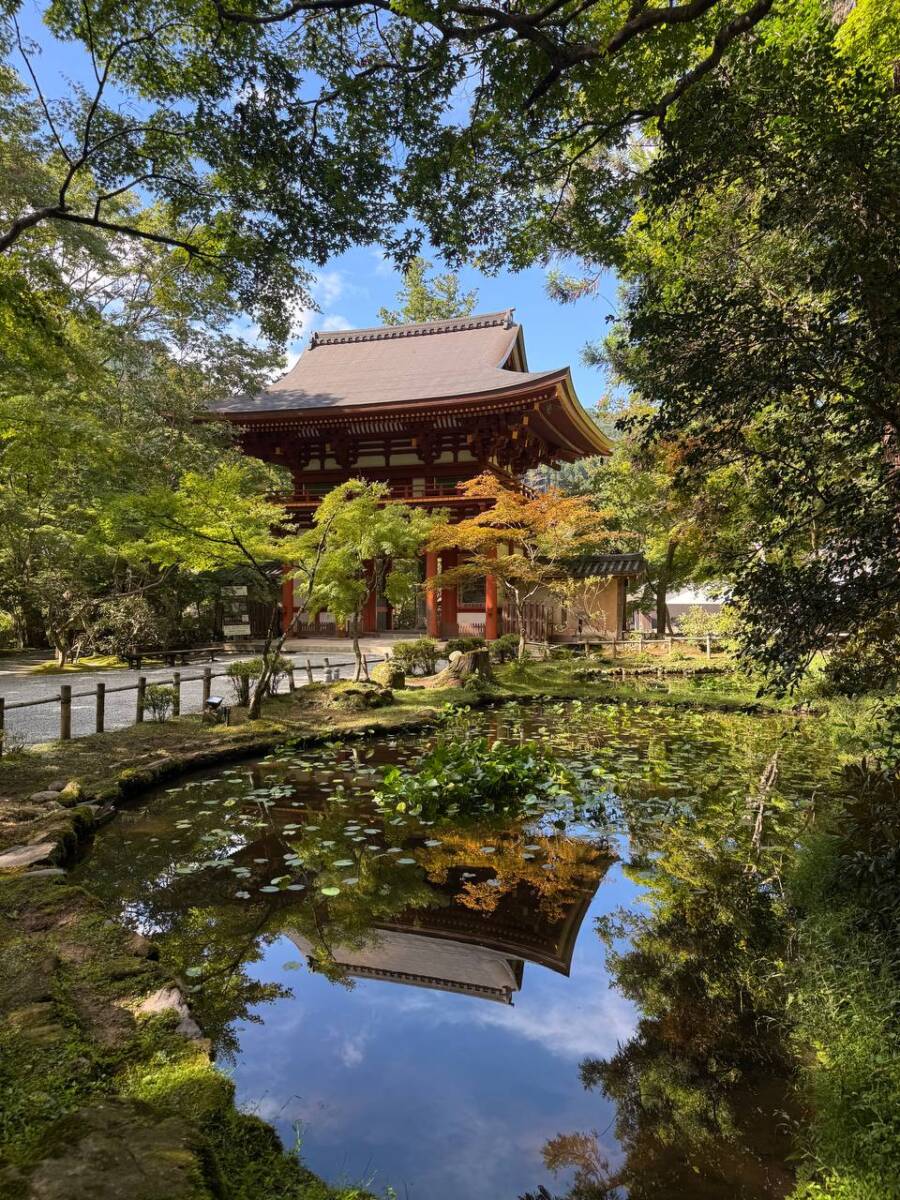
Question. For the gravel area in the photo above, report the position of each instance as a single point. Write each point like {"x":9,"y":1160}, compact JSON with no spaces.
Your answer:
{"x":40,"y":723}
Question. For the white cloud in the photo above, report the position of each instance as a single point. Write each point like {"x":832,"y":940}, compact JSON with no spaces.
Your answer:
{"x":335,"y":321}
{"x":383,"y":265}
{"x":328,"y":286}
{"x":591,"y":1022}
{"x":352,"y":1050}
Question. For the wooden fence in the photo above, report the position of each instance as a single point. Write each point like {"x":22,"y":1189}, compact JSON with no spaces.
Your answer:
{"x":65,"y":695}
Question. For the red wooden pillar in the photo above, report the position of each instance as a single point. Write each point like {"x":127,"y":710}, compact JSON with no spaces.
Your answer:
{"x":287,"y":599}
{"x":449,"y":615}
{"x":432,"y":623}
{"x":491,"y":610}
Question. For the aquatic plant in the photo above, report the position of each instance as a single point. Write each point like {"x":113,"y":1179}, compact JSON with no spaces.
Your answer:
{"x":474,"y":776}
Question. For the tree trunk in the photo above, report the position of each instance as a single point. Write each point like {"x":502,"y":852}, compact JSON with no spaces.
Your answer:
{"x":662,"y":587}
{"x":472,"y":662}
{"x":357,"y":653}
{"x":268,"y":658}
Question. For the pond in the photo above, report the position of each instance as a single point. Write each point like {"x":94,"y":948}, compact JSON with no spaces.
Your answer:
{"x":584,"y":992}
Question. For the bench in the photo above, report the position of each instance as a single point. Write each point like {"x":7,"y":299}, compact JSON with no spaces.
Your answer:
{"x":172,"y":657}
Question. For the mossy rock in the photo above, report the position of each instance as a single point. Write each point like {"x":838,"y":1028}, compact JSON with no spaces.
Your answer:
{"x":388,"y":674}
{"x":357,"y":697}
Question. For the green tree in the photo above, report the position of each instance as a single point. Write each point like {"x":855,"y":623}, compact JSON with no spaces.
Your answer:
{"x":676,"y":523}
{"x":759,"y":314}
{"x":373,"y":546}
{"x":422,"y":299}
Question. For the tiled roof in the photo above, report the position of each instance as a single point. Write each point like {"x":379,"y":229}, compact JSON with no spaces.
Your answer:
{"x":397,"y":364}
{"x":593,"y":565}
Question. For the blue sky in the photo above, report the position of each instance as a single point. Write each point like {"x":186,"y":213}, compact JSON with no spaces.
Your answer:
{"x":350,"y":289}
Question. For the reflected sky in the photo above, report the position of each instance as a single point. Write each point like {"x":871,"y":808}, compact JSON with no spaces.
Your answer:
{"x":437,"y":1094}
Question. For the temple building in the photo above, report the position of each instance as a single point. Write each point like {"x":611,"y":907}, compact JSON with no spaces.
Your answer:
{"x":421,"y":408}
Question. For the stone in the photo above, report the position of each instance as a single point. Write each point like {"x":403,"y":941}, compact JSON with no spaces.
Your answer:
{"x":51,"y":794}
{"x":36,"y":1023}
{"x":170,"y":999}
{"x":388,"y":674}
{"x":25,"y":856}
{"x":110,"y":1150}
{"x":57,"y":785}
{"x":142,"y":947}
{"x":71,"y":793}
{"x":46,"y":872}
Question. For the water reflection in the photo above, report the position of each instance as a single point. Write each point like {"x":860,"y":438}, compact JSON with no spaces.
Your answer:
{"x":482,"y":1040}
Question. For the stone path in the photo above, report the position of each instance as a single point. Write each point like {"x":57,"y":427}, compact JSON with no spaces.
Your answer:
{"x":41,"y":722}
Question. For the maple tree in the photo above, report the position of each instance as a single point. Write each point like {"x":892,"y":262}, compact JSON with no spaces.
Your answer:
{"x":524,"y":540}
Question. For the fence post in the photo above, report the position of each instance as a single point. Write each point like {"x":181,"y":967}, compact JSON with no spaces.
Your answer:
{"x":708,"y":646}
{"x":2,"y":721}
{"x":207,"y":686}
{"x":614,"y":648}
{"x":65,"y":711}
{"x":669,"y":643}
{"x":640,"y":643}
{"x":100,"y":707}
{"x":141,"y":690}
{"x":309,"y":675}
{"x":365,"y":666}
{"x":176,"y":699}
{"x":292,"y":685}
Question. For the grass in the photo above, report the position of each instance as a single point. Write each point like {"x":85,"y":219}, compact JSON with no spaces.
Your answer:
{"x":846,"y":1001}
{"x":93,"y":662}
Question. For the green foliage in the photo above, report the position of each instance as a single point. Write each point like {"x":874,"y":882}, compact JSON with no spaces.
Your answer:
{"x":159,"y":700}
{"x":244,"y":674}
{"x":417,"y":658}
{"x":471,"y":777}
{"x":866,"y":661}
{"x":504,"y":648}
{"x":422,"y":299}
{"x":463,"y":644}
{"x":760,"y":291}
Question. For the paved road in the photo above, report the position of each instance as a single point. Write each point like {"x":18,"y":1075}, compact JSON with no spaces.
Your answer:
{"x":40,"y":723}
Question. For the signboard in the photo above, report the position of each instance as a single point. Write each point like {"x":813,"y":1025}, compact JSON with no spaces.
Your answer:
{"x":235,"y":611}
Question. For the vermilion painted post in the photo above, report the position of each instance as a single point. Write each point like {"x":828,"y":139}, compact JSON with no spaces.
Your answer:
{"x":432,"y":623}
{"x":449,"y":613}
{"x":491,"y":609}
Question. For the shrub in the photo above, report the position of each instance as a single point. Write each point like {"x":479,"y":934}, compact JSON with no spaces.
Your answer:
{"x":159,"y":700}
{"x":472,"y":775}
{"x":7,"y":630}
{"x":867,"y":661}
{"x":417,"y":658}
{"x":243,"y":676}
{"x":464,"y":644}
{"x":505,"y":648}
